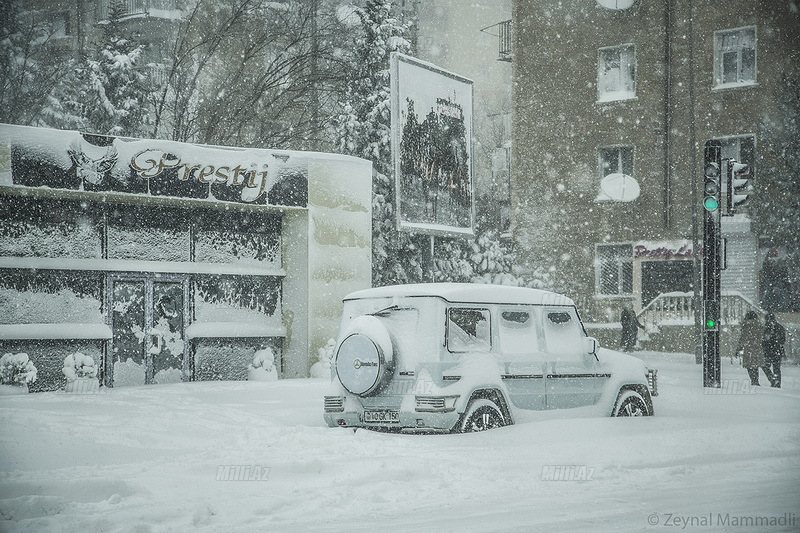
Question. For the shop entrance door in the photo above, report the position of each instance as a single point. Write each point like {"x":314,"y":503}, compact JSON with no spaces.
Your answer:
{"x":148,"y":320}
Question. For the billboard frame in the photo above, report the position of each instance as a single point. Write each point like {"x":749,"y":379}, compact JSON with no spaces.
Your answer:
{"x":444,"y":96}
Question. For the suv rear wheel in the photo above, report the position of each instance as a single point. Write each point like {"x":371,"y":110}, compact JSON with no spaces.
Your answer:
{"x":482,"y":415}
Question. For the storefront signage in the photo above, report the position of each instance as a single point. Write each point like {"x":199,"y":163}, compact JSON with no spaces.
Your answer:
{"x":666,"y":251}
{"x":150,"y":163}
{"x":70,"y":160}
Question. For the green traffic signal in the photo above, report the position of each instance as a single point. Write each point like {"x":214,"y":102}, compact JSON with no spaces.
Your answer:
{"x":710,"y":323}
{"x":711,"y":203}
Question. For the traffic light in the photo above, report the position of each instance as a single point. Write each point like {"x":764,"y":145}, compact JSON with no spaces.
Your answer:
{"x":711,"y":315}
{"x":737,"y":185}
{"x":711,"y":190}
{"x":712,"y":173}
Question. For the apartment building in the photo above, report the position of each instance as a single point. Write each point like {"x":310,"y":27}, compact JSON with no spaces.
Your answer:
{"x":613,"y":103}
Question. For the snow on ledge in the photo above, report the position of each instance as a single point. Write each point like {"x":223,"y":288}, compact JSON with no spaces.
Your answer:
{"x":198,"y":330}
{"x":66,"y":331}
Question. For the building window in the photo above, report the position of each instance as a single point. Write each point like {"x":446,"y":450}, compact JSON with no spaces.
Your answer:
{"x":614,"y":269}
{"x":615,"y":159}
{"x":616,"y":73}
{"x":735,"y":57}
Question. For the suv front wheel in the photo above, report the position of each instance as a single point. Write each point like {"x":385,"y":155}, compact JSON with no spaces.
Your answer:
{"x":631,"y":403}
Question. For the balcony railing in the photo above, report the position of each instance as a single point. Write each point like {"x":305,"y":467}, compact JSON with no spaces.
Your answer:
{"x":504,"y":34}
{"x":677,"y":308}
{"x":505,"y":41}
{"x":136,"y":7}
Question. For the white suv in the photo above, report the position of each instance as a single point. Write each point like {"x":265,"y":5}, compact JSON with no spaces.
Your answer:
{"x":449,"y":357}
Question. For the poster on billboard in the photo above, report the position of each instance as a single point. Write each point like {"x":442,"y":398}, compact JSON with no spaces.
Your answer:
{"x":431,"y":148}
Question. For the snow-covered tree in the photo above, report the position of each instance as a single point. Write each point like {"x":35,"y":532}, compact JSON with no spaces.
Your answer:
{"x":276,"y":93}
{"x":29,"y":65}
{"x":104,"y":91}
{"x":364,"y":130}
{"x":116,"y":81}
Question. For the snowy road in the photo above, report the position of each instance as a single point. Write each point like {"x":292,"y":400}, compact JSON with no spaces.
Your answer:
{"x":149,"y":459}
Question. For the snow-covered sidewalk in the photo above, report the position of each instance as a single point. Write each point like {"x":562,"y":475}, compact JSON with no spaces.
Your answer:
{"x":256,"y":456}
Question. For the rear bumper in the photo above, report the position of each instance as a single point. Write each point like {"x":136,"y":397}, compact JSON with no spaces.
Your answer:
{"x":409,"y":422}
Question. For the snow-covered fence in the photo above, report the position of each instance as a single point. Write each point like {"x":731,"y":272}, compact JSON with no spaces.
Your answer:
{"x":677,"y":308}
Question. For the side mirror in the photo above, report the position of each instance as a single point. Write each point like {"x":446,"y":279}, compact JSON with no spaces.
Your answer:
{"x":590,"y":345}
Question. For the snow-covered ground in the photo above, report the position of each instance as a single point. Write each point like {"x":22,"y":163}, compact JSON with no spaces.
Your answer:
{"x":151,"y":459}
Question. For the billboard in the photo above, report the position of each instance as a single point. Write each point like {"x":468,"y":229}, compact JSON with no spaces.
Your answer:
{"x":431,"y":148}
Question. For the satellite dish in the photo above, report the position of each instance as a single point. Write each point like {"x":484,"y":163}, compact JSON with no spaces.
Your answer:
{"x":616,"y":5}
{"x":619,"y":187}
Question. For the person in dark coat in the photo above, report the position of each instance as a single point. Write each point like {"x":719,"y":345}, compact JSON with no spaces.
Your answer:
{"x":750,"y":347}
{"x":774,"y":339}
{"x":630,"y":329}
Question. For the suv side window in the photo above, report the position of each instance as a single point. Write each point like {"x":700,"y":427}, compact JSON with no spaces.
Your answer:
{"x":563,"y":333}
{"x":468,"y":329}
{"x":519,"y":338}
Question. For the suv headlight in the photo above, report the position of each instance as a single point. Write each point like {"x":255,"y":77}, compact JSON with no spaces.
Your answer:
{"x":436,"y":404}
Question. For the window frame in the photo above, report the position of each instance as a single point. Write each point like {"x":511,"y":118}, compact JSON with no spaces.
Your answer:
{"x":485,"y":311}
{"x":627,"y":63}
{"x":719,"y":59}
{"x":622,"y":265}
{"x":620,"y":159}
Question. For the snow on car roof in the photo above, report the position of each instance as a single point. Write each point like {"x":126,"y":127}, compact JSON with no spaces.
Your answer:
{"x":466,"y":292}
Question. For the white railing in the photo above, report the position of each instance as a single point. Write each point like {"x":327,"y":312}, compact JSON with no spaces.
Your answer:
{"x":678,"y":308}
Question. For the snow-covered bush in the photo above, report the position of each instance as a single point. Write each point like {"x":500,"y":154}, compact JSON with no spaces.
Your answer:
{"x":16,"y":369}
{"x":78,"y":365}
{"x":322,"y":368}
{"x":262,"y":368}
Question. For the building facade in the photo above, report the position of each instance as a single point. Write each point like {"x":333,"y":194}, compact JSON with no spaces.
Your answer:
{"x":168,"y":261}
{"x":613,"y":103}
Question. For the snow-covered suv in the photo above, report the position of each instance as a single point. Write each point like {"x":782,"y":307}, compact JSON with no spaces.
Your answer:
{"x":468,"y":357}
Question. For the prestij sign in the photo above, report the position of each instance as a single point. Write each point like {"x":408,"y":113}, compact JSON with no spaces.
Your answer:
{"x":150,"y":163}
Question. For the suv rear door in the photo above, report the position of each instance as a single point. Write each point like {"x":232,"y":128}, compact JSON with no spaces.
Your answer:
{"x":521,"y":355}
{"x":573,"y":376}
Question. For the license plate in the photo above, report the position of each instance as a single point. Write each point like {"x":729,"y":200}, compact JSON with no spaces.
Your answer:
{"x":382,"y":416}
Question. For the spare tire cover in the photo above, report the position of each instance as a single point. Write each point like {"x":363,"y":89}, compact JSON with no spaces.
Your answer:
{"x":364,"y":359}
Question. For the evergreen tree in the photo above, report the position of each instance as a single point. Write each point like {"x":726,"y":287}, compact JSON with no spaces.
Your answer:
{"x":103,"y":92}
{"x":364,"y":130}
{"x":29,"y":66}
{"x":118,"y":87}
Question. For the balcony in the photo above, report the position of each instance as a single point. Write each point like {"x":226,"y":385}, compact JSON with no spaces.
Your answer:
{"x":505,"y":41}
{"x":504,"y":36}
{"x":139,"y":8}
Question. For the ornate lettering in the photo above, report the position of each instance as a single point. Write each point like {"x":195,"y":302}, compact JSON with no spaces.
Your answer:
{"x":150,"y":163}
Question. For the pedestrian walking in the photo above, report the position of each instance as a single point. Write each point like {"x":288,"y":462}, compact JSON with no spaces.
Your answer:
{"x":630,"y":329}
{"x":773,"y":344}
{"x":750,"y":345}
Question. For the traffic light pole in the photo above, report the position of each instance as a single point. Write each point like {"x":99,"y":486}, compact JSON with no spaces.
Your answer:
{"x":711,"y":265}
{"x":711,"y":299}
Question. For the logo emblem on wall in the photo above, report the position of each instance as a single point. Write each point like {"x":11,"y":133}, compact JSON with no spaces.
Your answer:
{"x":92,"y":170}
